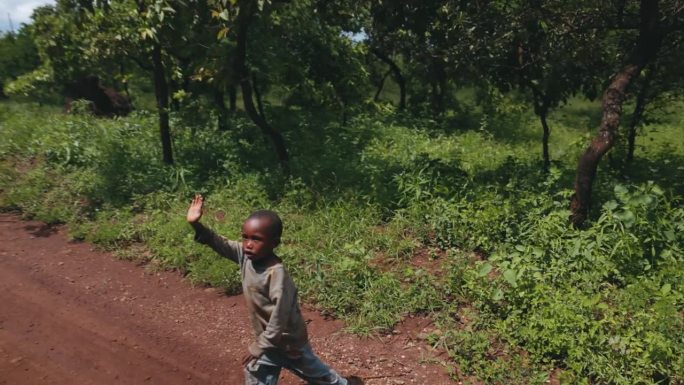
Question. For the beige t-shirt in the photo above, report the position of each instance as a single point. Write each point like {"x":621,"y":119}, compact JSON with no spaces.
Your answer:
{"x":271,"y":298}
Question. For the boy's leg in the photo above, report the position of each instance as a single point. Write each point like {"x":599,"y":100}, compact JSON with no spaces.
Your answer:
{"x":258,"y":372}
{"x":310,"y":368}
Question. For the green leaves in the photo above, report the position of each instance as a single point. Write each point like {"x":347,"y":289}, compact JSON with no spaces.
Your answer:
{"x":18,"y":55}
{"x":37,"y":84}
{"x":665,"y":289}
{"x":220,"y":14}
{"x":626,"y":216}
{"x":511,"y":277}
{"x":485,"y":268}
{"x":148,"y":33}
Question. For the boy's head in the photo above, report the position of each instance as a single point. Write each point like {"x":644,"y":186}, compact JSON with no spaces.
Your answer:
{"x":261,"y":234}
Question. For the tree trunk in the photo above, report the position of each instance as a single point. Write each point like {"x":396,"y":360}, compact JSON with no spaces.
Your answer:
{"x":433,"y":95}
{"x":161,"y":92}
{"x":439,"y":86}
{"x":636,"y":117}
{"x":541,"y":109}
{"x":257,"y":95}
{"x":124,"y":81}
{"x":242,"y":77}
{"x":232,"y":98}
{"x":221,"y":108}
{"x":343,"y":108}
{"x":545,"y":140}
{"x":381,"y":86}
{"x":645,"y":50}
{"x":396,"y":73}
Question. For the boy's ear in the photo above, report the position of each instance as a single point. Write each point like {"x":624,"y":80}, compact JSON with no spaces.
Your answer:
{"x":276,"y":242}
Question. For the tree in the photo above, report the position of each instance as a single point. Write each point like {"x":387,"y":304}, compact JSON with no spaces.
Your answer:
{"x":315,"y":60}
{"x":18,"y":56}
{"x":243,"y":20}
{"x":551,"y":55}
{"x":298,"y":45}
{"x":406,"y":29}
{"x":81,"y":38}
{"x":657,"y":86}
{"x":648,"y":42}
{"x":396,"y":74}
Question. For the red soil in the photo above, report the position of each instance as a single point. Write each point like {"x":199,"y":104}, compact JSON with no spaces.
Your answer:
{"x":72,"y":315}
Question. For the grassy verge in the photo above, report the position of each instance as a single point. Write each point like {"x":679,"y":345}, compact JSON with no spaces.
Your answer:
{"x":387,"y":216}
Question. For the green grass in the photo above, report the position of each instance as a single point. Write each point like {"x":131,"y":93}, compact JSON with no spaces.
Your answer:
{"x":514,"y":290}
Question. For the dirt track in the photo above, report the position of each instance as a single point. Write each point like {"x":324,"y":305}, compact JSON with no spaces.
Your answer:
{"x":71,"y":315}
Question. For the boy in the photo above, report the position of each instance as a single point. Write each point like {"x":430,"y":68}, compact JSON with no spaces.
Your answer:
{"x":271,"y":299}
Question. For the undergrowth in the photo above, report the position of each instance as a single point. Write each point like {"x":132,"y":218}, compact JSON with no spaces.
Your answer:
{"x":516,"y":293}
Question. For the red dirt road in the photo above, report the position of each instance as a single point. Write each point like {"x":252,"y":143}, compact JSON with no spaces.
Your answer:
{"x":71,"y":315}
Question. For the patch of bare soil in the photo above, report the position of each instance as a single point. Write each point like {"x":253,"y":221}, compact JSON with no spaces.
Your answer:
{"x":72,"y":315}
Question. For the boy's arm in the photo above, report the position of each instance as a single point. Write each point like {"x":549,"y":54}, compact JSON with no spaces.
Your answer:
{"x":224,"y":247}
{"x":282,"y":294}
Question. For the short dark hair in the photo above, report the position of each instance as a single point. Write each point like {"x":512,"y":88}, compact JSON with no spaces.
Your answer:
{"x":275,"y":227}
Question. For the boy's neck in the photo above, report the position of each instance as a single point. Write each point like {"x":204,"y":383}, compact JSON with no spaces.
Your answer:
{"x":267,"y":261}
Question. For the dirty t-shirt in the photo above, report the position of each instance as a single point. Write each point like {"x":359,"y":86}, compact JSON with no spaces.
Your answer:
{"x":271,"y":298}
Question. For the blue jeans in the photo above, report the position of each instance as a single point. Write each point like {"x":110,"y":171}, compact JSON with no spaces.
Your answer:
{"x":266,"y":369}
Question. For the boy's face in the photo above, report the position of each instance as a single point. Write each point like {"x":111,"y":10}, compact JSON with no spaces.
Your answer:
{"x":257,"y":241}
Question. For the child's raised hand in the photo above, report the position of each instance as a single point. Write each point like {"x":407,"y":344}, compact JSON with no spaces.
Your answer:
{"x":195,"y":209}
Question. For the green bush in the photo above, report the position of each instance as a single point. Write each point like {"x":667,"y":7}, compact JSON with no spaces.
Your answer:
{"x":514,"y":290}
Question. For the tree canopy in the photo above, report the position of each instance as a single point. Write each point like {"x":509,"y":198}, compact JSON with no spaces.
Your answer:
{"x":330,"y":56}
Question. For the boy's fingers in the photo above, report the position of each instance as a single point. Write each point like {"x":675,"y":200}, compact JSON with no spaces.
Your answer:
{"x":197,"y":199}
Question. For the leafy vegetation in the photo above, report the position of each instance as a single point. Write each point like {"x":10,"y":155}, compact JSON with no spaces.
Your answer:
{"x":513,"y":288}
{"x":18,"y":55}
{"x":400,"y":141}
